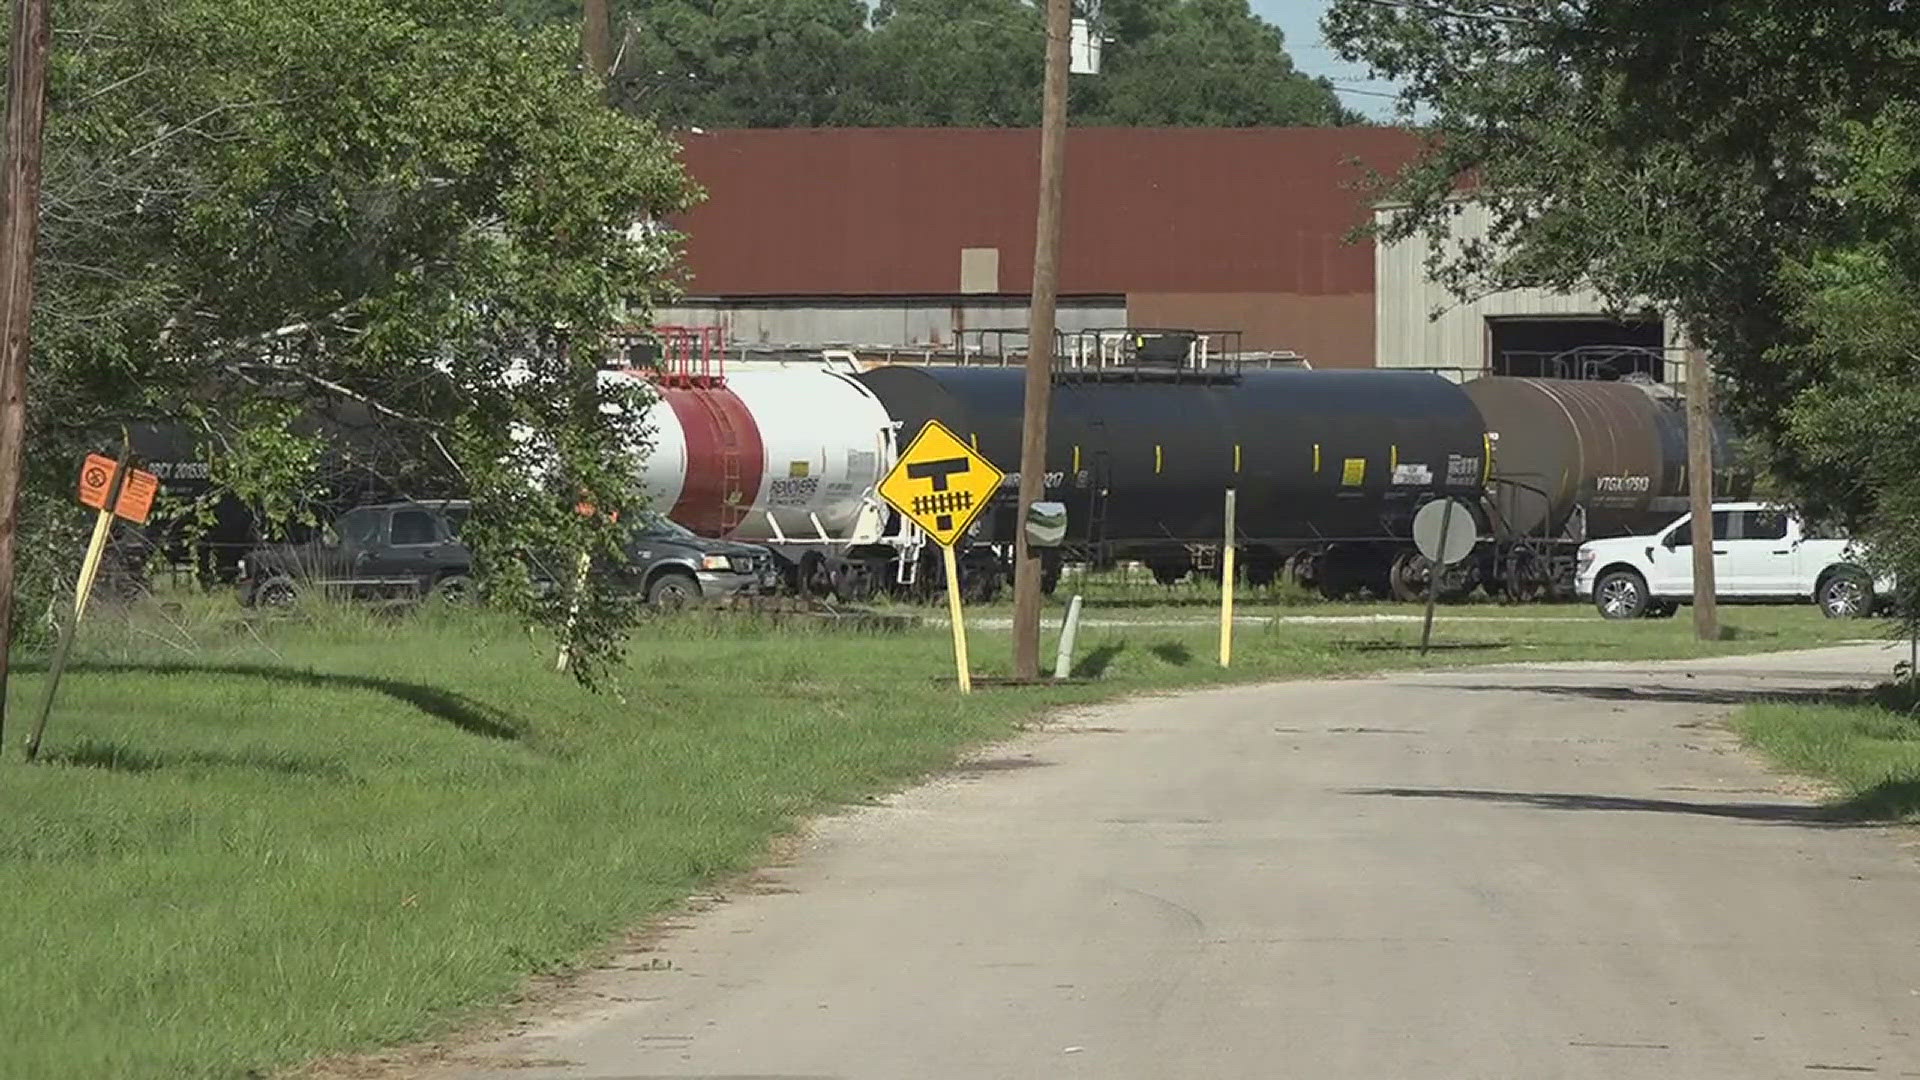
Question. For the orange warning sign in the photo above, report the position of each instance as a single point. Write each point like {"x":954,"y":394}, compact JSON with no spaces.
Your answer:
{"x":96,"y":479}
{"x":136,"y":491}
{"x":136,"y":496}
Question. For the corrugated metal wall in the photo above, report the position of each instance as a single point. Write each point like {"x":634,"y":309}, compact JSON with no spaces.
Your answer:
{"x":1406,"y":333}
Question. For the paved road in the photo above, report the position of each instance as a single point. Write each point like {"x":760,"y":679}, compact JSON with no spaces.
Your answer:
{"x":1523,"y":874}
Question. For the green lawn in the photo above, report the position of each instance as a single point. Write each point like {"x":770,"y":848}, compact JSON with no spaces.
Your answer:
{"x":1867,"y":746}
{"x":250,"y":845}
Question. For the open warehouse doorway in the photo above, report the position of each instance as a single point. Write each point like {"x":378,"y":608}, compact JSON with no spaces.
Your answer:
{"x":1576,"y":347}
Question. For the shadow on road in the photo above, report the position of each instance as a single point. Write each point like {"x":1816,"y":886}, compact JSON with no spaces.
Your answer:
{"x":1781,"y":813}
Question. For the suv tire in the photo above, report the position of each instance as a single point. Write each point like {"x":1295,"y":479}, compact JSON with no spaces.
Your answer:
{"x":1621,"y":594}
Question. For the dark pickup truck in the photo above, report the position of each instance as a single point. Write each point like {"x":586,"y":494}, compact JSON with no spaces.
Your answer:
{"x":413,"y":549}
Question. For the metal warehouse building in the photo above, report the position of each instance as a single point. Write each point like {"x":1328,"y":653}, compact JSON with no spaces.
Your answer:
{"x":916,"y":238}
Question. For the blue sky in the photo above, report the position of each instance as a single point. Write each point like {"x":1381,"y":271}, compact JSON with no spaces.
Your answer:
{"x":1300,"y":21}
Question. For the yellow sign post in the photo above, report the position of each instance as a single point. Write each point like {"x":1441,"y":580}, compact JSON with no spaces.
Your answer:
{"x":941,"y":484}
{"x":1227,"y":551}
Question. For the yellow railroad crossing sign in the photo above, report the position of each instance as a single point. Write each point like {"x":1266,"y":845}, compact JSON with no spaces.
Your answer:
{"x":940,"y":483}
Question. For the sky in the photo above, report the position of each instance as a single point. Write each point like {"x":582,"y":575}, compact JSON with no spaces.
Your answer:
{"x":1300,"y":21}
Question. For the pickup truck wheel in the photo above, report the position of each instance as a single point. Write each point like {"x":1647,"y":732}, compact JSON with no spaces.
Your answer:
{"x":673,"y":590}
{"x":1846,"y":594}
{"x":1621,"y":594}
{"x":276,"y":592}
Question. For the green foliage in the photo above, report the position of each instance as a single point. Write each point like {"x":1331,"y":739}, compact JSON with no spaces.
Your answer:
{"x":411,"y":206}
{"x":1201,"y":63}
{"x":1855,"y":302}
{"x":267,"y":465}
{"x":798,"y":63}
{"x":1868,"y":747}
{"x":1736,"y":163}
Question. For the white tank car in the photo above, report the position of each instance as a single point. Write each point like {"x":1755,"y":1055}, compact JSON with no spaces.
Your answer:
{"x":770,"y":455}
{"x":827,"y":442}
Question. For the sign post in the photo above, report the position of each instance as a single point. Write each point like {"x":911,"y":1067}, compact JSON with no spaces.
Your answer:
{"x":941,"y":485}
{"x":955,"y":616}
{"x":1443,"y":543}
{"x":1226,"y":586}
{"x":115,"y":491}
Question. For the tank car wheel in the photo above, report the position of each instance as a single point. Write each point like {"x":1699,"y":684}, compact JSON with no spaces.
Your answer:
{"x":1049,"y":575}
{"x":1169,"y":573}
{"x":1262,"y":572}
{"x":1410,"y":577}
{"x":979,"y":584}
{"x":816,"y":578}
{"x":1526,"y":576}
{"x":1301,"y":568}
{"x":853,"y":583}
{"x":1334,"y":585}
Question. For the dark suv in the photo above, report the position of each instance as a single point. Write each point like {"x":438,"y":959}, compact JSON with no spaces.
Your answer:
{"x":413,"y":549}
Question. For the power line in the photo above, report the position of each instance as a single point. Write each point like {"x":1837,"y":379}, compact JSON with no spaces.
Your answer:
{"x":1338,"y":89}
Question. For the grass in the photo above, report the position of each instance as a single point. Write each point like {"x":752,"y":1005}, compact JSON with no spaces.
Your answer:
{"x":1866,"y":745}
{"x":250,"y":845}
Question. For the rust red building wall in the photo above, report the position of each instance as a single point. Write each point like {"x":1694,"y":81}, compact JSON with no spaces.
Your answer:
{"x":1224,"y":228}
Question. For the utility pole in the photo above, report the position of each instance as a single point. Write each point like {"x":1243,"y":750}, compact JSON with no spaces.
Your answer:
{"x":1040,"y":333}
{"x":19,"y":243}
{"x":1706,"y":614}
{"x":596,"y":44}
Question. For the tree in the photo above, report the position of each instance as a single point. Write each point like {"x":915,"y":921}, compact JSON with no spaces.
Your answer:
{"x":1201,"y":63}
{"x":1677,"y":154}
{"x":1854,"y":303}
{"x":959,"y":63}
{"x":791,"y":63}
{"x":410,"y":205}
{"x":745,"y":63}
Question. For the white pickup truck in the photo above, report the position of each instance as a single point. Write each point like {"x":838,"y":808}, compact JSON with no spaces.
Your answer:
{"x":1761,"y":553}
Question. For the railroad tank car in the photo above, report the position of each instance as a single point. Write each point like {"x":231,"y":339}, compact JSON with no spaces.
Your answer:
{"x":767,"y":454}
{"x":1614,"y":453}
{"x":1142,"y":463}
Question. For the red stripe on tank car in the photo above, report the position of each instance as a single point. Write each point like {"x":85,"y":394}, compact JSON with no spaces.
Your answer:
{"x":725,"y":459}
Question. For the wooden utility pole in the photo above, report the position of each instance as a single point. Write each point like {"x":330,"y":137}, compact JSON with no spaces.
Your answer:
{"x":1040,"y":334}
{"x":1706,"y":613}
{"x":596,"y":40}
{"x":19,"y":243}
